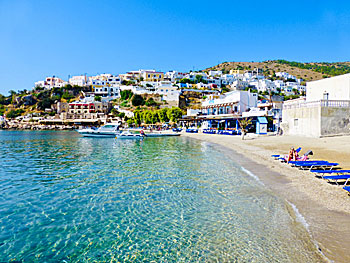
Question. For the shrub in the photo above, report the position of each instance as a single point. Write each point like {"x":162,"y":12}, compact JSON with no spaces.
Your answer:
{"x":126,"y":94}
{"x":14,"y":113}
{"x":151,"y":102}
{"x":137,"y":100}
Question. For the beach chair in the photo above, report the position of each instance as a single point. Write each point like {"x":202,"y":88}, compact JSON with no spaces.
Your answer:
{"x":321,"y":165}
{"x":335,"y":178}
{"x":275,"y":156}
{"x":299,"y":163}
{"x":347,"y":188}
{"x":322,"y":173}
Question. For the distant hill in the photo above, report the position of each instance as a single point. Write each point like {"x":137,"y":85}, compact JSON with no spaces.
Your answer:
{"x":306,"y":71}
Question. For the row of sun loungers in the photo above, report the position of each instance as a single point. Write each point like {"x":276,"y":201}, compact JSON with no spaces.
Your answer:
{"x":323,"y":169}
{"x":222,"y":132}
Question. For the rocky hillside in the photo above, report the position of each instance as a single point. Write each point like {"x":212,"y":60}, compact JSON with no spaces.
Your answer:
{"x":306,"y":71}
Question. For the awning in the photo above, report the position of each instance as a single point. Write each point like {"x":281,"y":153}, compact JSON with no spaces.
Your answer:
{"x":262,"y":120}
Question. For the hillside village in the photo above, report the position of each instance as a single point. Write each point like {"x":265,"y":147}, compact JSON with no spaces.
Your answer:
{"x":146,"y":97}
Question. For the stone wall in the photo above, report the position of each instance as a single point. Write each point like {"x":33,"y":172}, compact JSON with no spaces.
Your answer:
{"x":335,"y":121}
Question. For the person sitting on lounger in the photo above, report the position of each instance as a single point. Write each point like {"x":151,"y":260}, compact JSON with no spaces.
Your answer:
{"x":293,"y":155}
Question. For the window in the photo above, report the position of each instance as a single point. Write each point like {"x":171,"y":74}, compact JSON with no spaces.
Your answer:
{"x":296,"y":122}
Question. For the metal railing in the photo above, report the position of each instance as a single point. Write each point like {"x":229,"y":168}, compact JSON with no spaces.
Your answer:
{"x":320,"y":103}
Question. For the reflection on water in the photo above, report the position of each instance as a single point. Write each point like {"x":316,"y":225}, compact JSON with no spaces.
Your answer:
{"x":64,"y":197}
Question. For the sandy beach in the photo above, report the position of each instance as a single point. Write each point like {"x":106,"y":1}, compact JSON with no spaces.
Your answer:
{"x":325,"y":206}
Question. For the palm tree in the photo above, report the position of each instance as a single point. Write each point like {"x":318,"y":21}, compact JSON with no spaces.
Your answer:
{"x":244,"y":123}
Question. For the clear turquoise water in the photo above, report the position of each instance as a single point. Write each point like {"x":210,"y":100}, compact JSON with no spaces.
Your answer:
{"x":74,"y":199}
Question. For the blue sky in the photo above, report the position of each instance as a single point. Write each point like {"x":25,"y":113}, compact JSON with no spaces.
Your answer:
{"x":61,"y":38}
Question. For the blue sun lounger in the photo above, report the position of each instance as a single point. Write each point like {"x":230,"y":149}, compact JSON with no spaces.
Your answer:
{"x":307,"y":162}
{"x":321,"y":165}
{"x":335,"y":178}
{"x":301,"y":163}
{"x":347,"y":188}
{"x":330,"y":171}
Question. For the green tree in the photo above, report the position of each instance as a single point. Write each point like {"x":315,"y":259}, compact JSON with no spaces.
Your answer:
{"x":67,"y":96}
{"x":174,"y":114}
{"x":114,"y":112}
{"x":137,"y":100}
{"x":130,"y":122}
{"x":163,"y":115}
{"x":44,"y":104}
{"x":244,"y":123}
{"x":148,"y":117}
{"x":137,"y":117}
{"x":155,"y":117}
{"x":2,"y":110}
{"x":126,"y":94}
{"x":14,"y":113}
{"x":98,"y":98}
{"x":12,"y":92}
{"x":121,"y":115}
{"x":150,"y":102}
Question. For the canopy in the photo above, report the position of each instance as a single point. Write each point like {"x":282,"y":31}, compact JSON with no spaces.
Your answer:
{"x":262,"y":120}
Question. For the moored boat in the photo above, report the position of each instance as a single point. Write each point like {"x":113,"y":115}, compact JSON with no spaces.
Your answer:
{"x":129,"y":135}
{"x":161,"y":134}
{"x":105,"y":131}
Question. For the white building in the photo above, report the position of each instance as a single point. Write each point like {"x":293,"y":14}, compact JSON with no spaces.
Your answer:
{"x":215,"y":73}
{"x":239,"y":84}
{"x":105,"y":80}
{"x":336,"y":88}
{"x":51,"y":82}
{"x":78,"y":81}
{"x":324,"y":112}
{"x":263,"y":85}
{"x":227,"y":79}
{"x":169,"y":92}
{"x":234,"y":102}
{"x":173,"y":75}
{"x":107,"y":93}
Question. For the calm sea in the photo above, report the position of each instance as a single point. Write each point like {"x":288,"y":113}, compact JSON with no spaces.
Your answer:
{"x":64,"y":198}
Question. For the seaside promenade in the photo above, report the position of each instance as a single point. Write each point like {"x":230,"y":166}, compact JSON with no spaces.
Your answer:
{"x":325,"y":207}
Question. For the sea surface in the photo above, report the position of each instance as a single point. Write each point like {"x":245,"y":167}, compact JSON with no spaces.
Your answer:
{"x":65,"y":198}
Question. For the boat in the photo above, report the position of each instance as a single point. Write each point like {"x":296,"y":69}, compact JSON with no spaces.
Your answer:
{"x":105,"y":131}
{"x":161,"y":134}
{"x":129,"y":135}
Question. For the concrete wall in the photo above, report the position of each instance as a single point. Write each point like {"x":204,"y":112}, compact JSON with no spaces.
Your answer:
{"x":335,"y":121}
{"x":337,"y":87}
{"x":304,"y":121}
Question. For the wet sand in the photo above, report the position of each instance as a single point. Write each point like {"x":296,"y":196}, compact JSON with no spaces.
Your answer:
{"x":326,"y":207}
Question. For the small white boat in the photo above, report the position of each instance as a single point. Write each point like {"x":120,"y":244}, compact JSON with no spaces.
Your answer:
{"x":161,"y":134}
{"x":129,"y":135}
{"x":105,"y":131}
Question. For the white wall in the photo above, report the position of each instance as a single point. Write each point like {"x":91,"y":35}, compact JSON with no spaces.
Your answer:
{"x":338,"y":88}
{"x":302,"y":121}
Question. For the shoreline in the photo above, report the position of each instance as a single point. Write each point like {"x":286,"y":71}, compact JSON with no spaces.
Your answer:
{"x":325,"y":207}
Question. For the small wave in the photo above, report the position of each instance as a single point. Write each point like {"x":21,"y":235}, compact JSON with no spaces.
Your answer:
{"x":252,"y":175}
{"x":301,"y":219}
